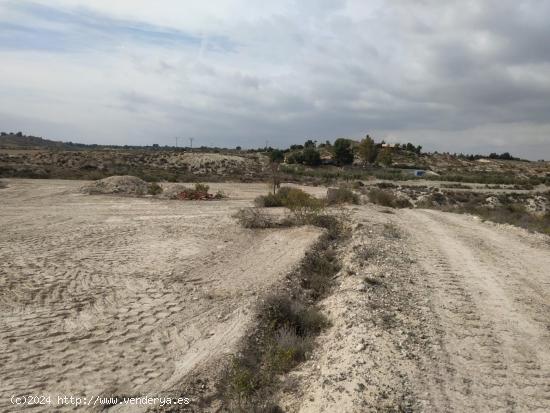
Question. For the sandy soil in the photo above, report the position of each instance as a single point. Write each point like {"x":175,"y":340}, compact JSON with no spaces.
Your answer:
{"x":446,"y":314}
{"x":112,"y":295}
{"x":490,"y":291}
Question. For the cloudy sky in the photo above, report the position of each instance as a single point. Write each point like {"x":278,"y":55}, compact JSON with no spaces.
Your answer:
{"x":470,"y":76}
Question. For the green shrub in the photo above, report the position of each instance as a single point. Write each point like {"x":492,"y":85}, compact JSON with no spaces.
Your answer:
{"x":268,"y":201}
{"x":280,"y":311}
{"x":387,"y":199}
{"x":254,"y":218}
{"x":299,"y":202}
{"x":391,"y":231}
{"x":343,"y":196}
{"x":154,"y":189}
{"x":202,"y":188}
{"x":317,"y":271}
{"x":288,"y":349}
{"x":333,"y":225}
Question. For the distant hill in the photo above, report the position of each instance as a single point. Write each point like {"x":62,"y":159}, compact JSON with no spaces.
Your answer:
{"x":18,"y":140}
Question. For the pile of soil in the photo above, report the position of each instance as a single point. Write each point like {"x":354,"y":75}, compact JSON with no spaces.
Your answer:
{"x":124,"y":185}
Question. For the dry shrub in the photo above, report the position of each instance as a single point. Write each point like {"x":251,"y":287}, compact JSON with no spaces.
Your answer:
{"x":342,"y":196}
{"x":387,"y":199}
{"x":391,"y":231}
{"x":154,"y":189}
{"x":288,"y":349}
{"x":254,"y":218}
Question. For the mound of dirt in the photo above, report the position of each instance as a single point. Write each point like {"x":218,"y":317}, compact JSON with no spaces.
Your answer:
{"x":125,"y":185}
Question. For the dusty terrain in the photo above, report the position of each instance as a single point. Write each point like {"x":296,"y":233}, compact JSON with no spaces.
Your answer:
{"x":434,"y":312}
{"x":124,"y":296}
{"x":149,"y":164}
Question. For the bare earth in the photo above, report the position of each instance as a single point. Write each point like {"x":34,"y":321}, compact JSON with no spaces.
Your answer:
{"x":437,"y":313}
{"x":490,"y":289}
{"x":124,"y":296}
{"x":454,"y":317}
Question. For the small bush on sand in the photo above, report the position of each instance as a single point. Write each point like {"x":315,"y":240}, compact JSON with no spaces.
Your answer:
{"x":254,"y":218}
{"x":280,"y":311}
{"x":342,"y":196}
{"x":268,"y":201}
{"x":334,"y":226}
{"x":287,"y":327}
{"x":391,"y":231}
{"x":317,"y":271}
{"x":154,"y":189}
{"x":288,"y":349}
{"x":288,"y":197}
{"x":387,"y":199}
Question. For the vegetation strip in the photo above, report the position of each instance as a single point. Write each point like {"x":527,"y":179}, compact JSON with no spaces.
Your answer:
{"x":287,"y":320}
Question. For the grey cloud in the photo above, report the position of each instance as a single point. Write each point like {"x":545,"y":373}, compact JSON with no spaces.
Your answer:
{"x":445,"y":74}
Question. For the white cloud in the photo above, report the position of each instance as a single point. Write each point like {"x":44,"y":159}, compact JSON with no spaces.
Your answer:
{"x":234,"y":72}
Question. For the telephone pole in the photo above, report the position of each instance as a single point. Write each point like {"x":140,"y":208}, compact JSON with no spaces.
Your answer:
{"x":191,"y":143}
{"x":176,"y":143}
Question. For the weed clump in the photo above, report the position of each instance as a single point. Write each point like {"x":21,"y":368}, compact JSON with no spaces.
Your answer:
{"x":254,"y":218}
{"x":387,"y":199}
{"x":342,"y":196}
{"x":391,"y":231}
{"x":154,"y":189}
{"x":292,"y":198}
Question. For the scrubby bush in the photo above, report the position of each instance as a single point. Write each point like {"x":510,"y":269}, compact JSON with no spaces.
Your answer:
{"x":317,"y":269}
{"x":254,"y":218}
{"x":154,"y":189}
{"x":298,"y":201}
{"x":201,"y":188}
{"x":281,"y":311}
{"x":391,"y":231}
{"x":387,"y":199}
{"x":288,"y":349}
{"x":334,"y":226}
{"x":342,"y":196}
{"x":268,"y":201}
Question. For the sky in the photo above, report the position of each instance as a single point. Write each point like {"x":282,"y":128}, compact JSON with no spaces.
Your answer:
{"x":455,"y":76}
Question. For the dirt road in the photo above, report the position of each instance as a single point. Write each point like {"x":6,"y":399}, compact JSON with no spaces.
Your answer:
{"x":489,"y":289}
{"x":124,"y":296}
{"x":434,"y":312}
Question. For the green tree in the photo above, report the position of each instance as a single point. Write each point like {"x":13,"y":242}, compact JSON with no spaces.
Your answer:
{"x":343,"y":155}
{"x":368,"y":150}
{"x":276,"y":156}
{"x":385,"y":157}
{"x":311,"y":156}
{"x":310,"y":144}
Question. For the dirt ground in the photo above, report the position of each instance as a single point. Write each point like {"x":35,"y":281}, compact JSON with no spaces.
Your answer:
{"x":124,"y":296}
{"x":434,"y":312}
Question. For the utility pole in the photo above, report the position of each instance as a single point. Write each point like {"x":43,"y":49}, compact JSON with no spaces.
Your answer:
{"x":191,"y":142}
{"x":176,"y":143}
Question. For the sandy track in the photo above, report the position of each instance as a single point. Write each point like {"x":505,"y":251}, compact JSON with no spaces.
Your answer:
{"x":489,"y":288}
{"x":121,"y":295}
